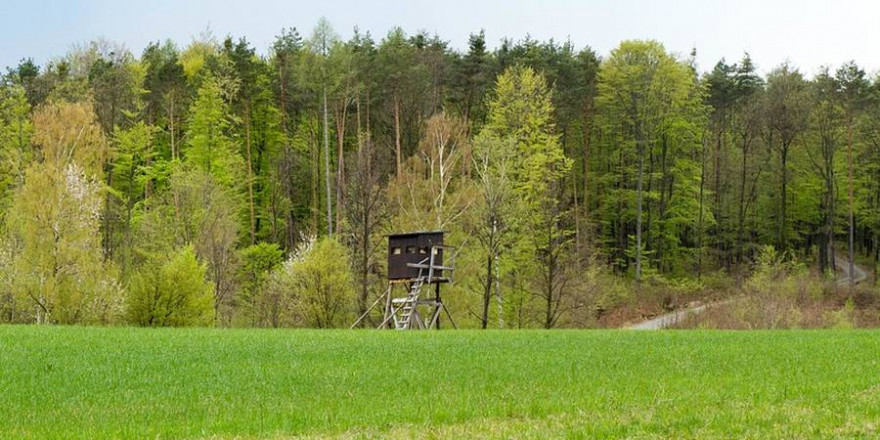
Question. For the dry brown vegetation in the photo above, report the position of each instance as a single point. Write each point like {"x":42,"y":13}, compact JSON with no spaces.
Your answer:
{"x":783,"y":294}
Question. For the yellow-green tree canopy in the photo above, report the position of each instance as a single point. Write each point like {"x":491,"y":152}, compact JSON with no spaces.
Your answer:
{"x":172,"y":293}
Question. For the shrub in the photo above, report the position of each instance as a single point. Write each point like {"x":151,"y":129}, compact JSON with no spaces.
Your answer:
{"x":313,"y":288}
{"x":843,"y":318}
{"x":782,"y":276}
{"x":257,"y":263}
{"x":172,"y":293}
{"x":323,"y":285}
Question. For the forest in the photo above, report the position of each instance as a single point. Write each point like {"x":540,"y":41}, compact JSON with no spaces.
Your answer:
{"x":213,"y":184}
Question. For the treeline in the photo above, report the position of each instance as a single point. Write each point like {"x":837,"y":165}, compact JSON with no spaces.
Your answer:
{"x":212,"y":185}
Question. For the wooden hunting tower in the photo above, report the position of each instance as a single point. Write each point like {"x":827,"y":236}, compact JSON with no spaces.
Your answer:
{"x":415,"y":259}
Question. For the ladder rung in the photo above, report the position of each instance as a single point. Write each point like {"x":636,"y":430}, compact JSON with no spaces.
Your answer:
{"x":428,"y":266}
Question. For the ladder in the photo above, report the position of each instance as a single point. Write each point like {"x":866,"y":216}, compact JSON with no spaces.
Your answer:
{"x":409,"y":305}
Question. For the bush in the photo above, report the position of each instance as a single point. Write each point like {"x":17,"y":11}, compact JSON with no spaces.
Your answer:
{"x":257,"y":263}
{"x":843,"y":318}
{"x":782,"y":276}
{"x":172,"y":293}
{"x":313,"y":287}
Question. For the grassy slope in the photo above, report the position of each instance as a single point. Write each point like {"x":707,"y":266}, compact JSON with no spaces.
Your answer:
{"x":141,"y":383}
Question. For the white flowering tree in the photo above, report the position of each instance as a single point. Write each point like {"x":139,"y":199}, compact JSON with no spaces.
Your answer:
{"x":58,"y":269}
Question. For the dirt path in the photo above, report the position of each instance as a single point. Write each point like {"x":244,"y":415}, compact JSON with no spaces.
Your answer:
{"x":670,"y":319}
{"x":857,"y":277}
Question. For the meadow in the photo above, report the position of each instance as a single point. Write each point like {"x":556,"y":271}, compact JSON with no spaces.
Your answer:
{"x":128,"y":383}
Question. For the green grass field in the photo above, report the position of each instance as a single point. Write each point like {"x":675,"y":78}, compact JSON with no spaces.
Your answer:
{"x":93,"y":383}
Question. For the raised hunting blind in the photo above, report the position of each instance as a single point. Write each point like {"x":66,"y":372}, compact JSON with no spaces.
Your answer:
{"x":415,"y":262}
{"x":406,"y":252}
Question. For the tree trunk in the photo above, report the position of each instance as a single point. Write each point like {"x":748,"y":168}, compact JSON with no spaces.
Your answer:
{"x":487,"y":293}
{"x":171,"y":126}
{"x":646,"y":207}
{"x":622,"y":227}
{"x":586,"y":164}
{"x":365,"y":261}
{"x":831,"y":261}
{"x":250,"y":174}
{"x":577,"y":219}
{"x":366,"y":231}
{"x":783,"y":243}
{"x":702,"y":194}
{"x":281,"y":95}
{"x":340,"y":158}
{"x":551,"y":269}
{"x":498,"y":298}
{"x":719,"y":151}
{"x":397,"y":153}
{"x":640,"y":177}
{"x":876,"y":256}
{"x":852,"y":223}
{"x":327,"y":168}
{"x":316,"y":180}
{"x":108,"y":225}
{"x":741,"y":224}
{"x":129,"y":205}
{"x":290,"y":228}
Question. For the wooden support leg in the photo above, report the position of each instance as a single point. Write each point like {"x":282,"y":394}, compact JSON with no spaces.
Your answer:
{"x":450,"y":317}
{"x":370,"y":309}
{"x":389,"y":319}
{"x":439,"y":304}
{"x":435,"y":319}
{"x":388,"y":309}
{"x":417,"y":318}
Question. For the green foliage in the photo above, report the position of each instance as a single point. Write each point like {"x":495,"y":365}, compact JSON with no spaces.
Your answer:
{"x":778,"y":285}
{"x":321,"y":282}
{"x":433,"y":191}
{"x":312,"y":288}
{"x":211,"y":149}
{"x":58,"y":272}
{"x":770,"y":265}
{"x":521,"y":112}
{"x":257,"y":263}
{"x":522,"y":109}
{"x":66,"y":133}
{"x":194,"y":58}
{"x":542,"y":162}
{"x":171,"y":292}
{"x":16,"y":130}
{"x":57,"y":268}
{"x":133,"y":150}
{"x":197,"y":211}
{"x":651,"y":117}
